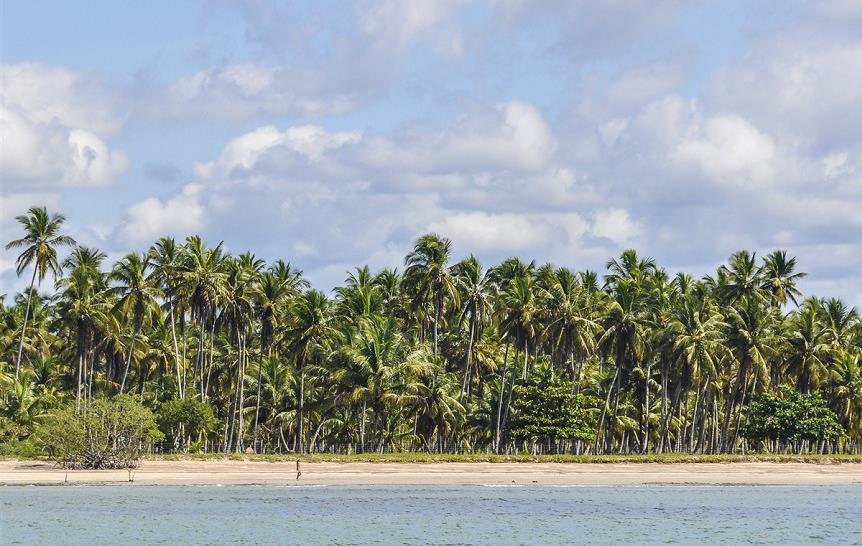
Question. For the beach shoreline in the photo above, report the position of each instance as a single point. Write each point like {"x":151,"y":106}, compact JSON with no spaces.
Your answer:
{"x":229,"y":472}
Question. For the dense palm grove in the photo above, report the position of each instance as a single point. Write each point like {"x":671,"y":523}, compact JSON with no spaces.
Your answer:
{"x":233,"y":353}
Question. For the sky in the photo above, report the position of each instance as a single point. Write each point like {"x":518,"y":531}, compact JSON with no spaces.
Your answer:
{"x":333,"y":134}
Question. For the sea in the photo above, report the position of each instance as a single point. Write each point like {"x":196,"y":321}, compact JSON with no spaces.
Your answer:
{"x":297,"y":514}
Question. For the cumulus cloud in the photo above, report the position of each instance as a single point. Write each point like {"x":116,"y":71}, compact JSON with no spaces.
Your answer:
{"x":615,"y":225}
{"x":180,"y":215}
{"x":490,"y":181}
{"x":51,"y":119}
{"x":728,"y":149}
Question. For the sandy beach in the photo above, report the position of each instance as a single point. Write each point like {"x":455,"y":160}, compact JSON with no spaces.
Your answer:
{"x":365,"y":473}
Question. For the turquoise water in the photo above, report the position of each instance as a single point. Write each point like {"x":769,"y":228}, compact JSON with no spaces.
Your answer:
{"x":435,"y":515}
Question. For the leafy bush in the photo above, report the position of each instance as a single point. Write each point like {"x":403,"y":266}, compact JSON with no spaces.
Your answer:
{"x":107,"y":433}
{"x":549,"y":410}
{"x":178,"y":419}
{"x":791,"y":416}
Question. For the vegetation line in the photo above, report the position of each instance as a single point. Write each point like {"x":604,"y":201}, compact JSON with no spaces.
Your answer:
{"x":212,"y":352}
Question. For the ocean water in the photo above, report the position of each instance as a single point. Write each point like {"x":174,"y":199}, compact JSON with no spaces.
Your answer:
{"x":430,"y":515}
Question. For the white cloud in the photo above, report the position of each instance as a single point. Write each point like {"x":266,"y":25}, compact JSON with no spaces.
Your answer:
{"x":396,"y":23}
{"x":247,"y":91}
{"x":729,"y":150}
{"x":615,"y":225}
{"x":51,"y":120}
{"x":513,"y":135}
{"x":181,"y":215}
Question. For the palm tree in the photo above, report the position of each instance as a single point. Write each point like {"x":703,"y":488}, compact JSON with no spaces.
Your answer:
{"x":751,"y":336}
{"x":569,"y":311}
{"x":237,"y":313}
{"x":311,"y":328}
{"x":624,"y":326}
{"x":846,"y":392}
{"x":83,"y":302}
{"x":695,"y":335}
{"x":808,"y":346}
{"x":137,"y":295}
{"x":428,"y":276}
{"x":41,"y":238}
{"x":474,"y":286}
{"x":740,"y":278}
{"x":780,"y":278}
{"x":376,"y":369}
{"x":272,"y":295}
{"x":202,"y":279}
{"x":167,"y":258}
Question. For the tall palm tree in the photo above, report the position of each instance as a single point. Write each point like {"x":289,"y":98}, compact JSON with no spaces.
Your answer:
{"x":272,"y":294}
{"x":375,"y":369}
{"x":780,"y":278}
{"x":740,"y":278}
{"x":41,"y":239}
{"x":624,"y":329}
{"x":474,"y":286}
{"x":202,"y":280}
{"x":84,"y":303}
{"x":808,"y":345}
{"x":569,"y":310}
{"x":138,"y":294}
{"x":751,"y":336}
{"x":311,"y":328}
{"x":167,"y":257}
{"x":428,"y":276}
{"x":695,"y":334}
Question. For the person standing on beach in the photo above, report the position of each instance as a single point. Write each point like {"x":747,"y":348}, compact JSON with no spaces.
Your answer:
{"x":298,"y":472}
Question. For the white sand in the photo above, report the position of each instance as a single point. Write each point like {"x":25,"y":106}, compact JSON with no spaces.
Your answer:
{"x":284,"y":473}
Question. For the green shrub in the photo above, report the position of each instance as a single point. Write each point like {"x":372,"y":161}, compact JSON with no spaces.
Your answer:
{"x":179,"y":419}
{"x":550,"y":411}
{"x":789,"y":416}
{"x":106,"y":433}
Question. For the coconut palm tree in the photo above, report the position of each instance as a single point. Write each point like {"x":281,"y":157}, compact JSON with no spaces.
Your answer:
{"x":41,"y":239}
{"x":808,"y":346}
{"x":624,"y":336}
{"x":428,"y":277}
{"x":780,"y":278}
{"x":474,"y":286}
{"x":569,"y":310}
{"x":84,"y":303}
{"x":137,"y":298}
{"x":375,"y":370}
{"x":310,"y":329}
{"x":752,"y":338}
{"x":740,"y":278}
{"x":167,"y":258}
{"x":201,"y":283}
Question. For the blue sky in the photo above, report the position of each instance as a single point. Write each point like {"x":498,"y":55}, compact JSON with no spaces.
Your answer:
{"x":334,"y":133}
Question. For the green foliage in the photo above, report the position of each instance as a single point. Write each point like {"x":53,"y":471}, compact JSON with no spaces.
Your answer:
{"x":791,"y":416}
{"x":182,"y":417}
{"x":108,"y":433}
{"x":549,"y":410}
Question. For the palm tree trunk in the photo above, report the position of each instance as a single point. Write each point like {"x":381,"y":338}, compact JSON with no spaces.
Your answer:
{"x":180,"y":388}
{"x":645,"y":447}
{"x":242,"y":362}
{"x":606,"y":406}
{"x":467,"y":367}
{"x":739,"y":388}
{"x":257,"y":401}
{"x":436,"y":321}
{"x":301,"y":404}
{"x":24,"y":326}
{"x":80,"y":372}
{"x":664,"y":414}
{"x":502,"y":392}
{"x":129,"y":356}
